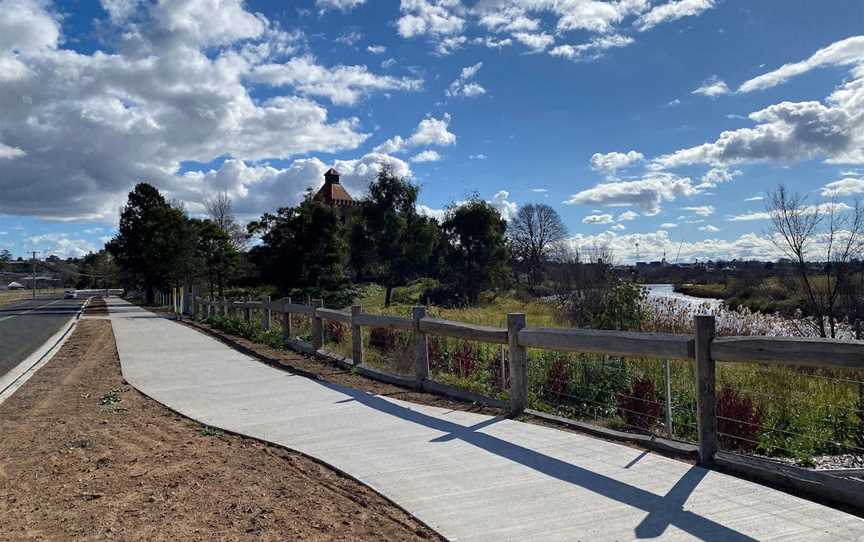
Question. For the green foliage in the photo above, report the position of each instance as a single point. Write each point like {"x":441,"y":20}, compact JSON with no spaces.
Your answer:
{"x":302,"y":247}
{"x":389,"y":240}
{"x":475,"y":257}
{"x":155,"y":244}
{"x":217,"y":254}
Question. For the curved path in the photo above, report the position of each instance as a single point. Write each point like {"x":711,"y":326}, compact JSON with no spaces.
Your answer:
{"x":468,"y":476}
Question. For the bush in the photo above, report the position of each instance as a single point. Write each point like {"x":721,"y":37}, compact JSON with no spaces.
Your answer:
{"x":557,"y":382}
{"x":639,"y":405}
{"x":382,"y":338}
{"x":738,"y":420}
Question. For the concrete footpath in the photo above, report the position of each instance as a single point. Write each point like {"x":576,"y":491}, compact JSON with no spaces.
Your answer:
{"x":468,"y":476}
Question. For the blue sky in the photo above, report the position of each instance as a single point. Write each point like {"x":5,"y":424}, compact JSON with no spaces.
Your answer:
{"x":652,"y":122}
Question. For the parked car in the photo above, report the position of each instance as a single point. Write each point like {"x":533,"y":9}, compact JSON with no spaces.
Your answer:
{"x":70,"y":294}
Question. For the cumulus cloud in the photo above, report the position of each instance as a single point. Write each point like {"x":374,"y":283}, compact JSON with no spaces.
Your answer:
{"x":849,"y":51}
{"x":430,"y":17}
{"x":627,"y":216}
{"x":377,"y":49}
{"x":820,"y":208}
{"x":712,"y":88}
{"x":437,"y":214}
{"x":709,"y":228}
{"x":342,"y":5}
{"x":501,"y":201}
{"x":844,"y":187}
{"x":536,"y":43}
{"x":700,"y":210}
{"x":592,"y":49}
{"x":715,"y":176}
{"x":613,"y":161}
{"x":671,"y":11}
{"x":429,"y":132}
{"x":464,"y":86}
{"x":342,"y":85}
{"x":647,"y":193}
{"x":60,"y":245}
{"x":794,"y":131}
{"x":597,"y":219}
{"x":653,"y":245}
{"x":177,"y":87}
{"x":426,"y":156}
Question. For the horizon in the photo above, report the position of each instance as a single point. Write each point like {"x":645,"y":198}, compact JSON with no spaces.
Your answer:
{"x":652,"y":124}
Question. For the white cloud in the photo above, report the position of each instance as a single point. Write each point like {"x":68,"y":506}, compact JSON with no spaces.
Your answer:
{"x":175,"y":90}
{"x":426,"y":156}
{"x":437,"y":214}
{"x":793,"y":131}
{"x":701,"y":210}
{"x":343,"y":85}
{"x":592,"y":49}
{"x":647,"y":193}
{"x":598,"y":219}
{"x":540,"y":190}
{"x":709,"y":228}
{"x":501,"y":201}
{"x":821,"y":208}
{"x":849,"y":51}
{"x":841,"y":188}
{"x":430,"y":17}
{"x":350,"y":38}
{"x":716,"y":176}
{"x":670,"y":11}
{"x":10,"y":153}
{"x":480,"y":156}
{"x":653,"y":245}
{"x":755,"y":198}
{"x":613,"y":161}
{"x":627,"y":216}
{"x":536,"y":43}
{"x":342,"y":5}
{"x":463,"y":86}
{"x":430,"y":131}
{"x":60,"y":245}
{"x":26,"y":25}
{"x":668,"y":225}
{"x":377,"y":49}
{"x":712,"y":88}
{"x":450,"y":44}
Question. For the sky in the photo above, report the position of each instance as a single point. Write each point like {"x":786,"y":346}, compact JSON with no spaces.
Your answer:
{"x":652,"y":126}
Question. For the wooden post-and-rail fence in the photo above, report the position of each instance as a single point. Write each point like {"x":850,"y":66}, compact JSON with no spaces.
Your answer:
{"x":702,"y":348}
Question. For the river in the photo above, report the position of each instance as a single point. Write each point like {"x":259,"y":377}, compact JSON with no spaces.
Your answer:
{"x":667,"y":291}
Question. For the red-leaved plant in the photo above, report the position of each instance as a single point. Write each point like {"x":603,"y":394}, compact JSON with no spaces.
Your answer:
{"x":638,"y":404}
{"x":738,"y":420}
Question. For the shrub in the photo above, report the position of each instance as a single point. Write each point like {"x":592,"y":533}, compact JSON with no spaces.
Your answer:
{"x":557,"y":382}
{"x":335,"y":331}
{"x":738,"y":420}
{"x":638,"y":405}
{"x":465,"y":360}
{"x":382,"y":338}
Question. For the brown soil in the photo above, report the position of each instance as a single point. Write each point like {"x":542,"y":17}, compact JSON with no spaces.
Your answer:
{"x":96,"y":307}
{"x":83,"y":456}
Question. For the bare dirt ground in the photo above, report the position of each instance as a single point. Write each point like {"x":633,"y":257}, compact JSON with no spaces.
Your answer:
{"x":83,"y":456}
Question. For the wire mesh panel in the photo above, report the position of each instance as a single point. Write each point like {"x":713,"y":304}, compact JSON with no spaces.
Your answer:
{"x":629,"y":394}
{"x":814,"y":417}
{"x":389,"y":350}
{"x":478,"y":367}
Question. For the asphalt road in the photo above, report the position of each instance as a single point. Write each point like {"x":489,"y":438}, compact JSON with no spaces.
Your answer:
{"x":25,"y":325}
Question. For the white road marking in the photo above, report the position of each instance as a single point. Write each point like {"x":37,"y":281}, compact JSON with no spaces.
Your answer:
{"x":29,"y":311}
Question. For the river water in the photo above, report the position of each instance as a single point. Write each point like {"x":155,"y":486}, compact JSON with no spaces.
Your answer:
{"x":667,"y":291}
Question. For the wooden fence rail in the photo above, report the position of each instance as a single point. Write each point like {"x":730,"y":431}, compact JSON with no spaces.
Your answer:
{"x":702,"y":348}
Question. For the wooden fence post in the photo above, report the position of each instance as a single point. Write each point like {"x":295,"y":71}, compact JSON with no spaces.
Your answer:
{"x":266,"y":314}
{"x":225,"y":307}
{"x":421,"y":346}
{"x":247,"y":311}
{"x":287,"y":328}
{"x":518,"y":364}
{"x":356,"y":336}
{"x":317,"y":325}
{"x":706,"y":398}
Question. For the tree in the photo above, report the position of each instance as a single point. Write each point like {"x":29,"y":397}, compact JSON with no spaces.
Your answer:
{"x":154,"y":246}
{"x":302,"y":247}
{"x":217,"y":253}
{"x":821,"y":241}
{"x":219,"y":210}
{"x":390,"y":239}
{"x":476,"y":253}
{"x":5,"y":258}
{"x":534,"y":233}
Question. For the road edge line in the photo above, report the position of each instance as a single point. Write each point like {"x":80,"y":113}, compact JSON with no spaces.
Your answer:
{"x":21,"y":373}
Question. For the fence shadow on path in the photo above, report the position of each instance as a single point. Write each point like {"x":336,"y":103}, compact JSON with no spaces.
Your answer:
{"x":663,"y":511}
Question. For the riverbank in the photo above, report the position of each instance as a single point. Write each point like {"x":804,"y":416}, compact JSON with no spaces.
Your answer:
{"x":767,"y":297}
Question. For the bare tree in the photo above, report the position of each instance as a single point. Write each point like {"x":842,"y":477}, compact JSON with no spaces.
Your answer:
{"x":534,"y":233}
{"x":219,"y":211}
{"x":821,"y":241}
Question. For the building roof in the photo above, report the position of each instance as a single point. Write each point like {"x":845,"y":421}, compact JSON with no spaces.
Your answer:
{"x":332,"y":192}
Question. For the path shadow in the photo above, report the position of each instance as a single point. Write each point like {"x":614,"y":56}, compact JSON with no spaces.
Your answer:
{"x":663,"y":511}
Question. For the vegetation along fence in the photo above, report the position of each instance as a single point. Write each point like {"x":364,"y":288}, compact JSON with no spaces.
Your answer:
{"x":516,"y":384}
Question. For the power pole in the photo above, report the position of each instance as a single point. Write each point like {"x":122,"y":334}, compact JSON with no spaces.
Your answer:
{"x":33,"y":277}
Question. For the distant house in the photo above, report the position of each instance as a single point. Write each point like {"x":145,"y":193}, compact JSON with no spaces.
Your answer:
{"x":334,"y":194}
